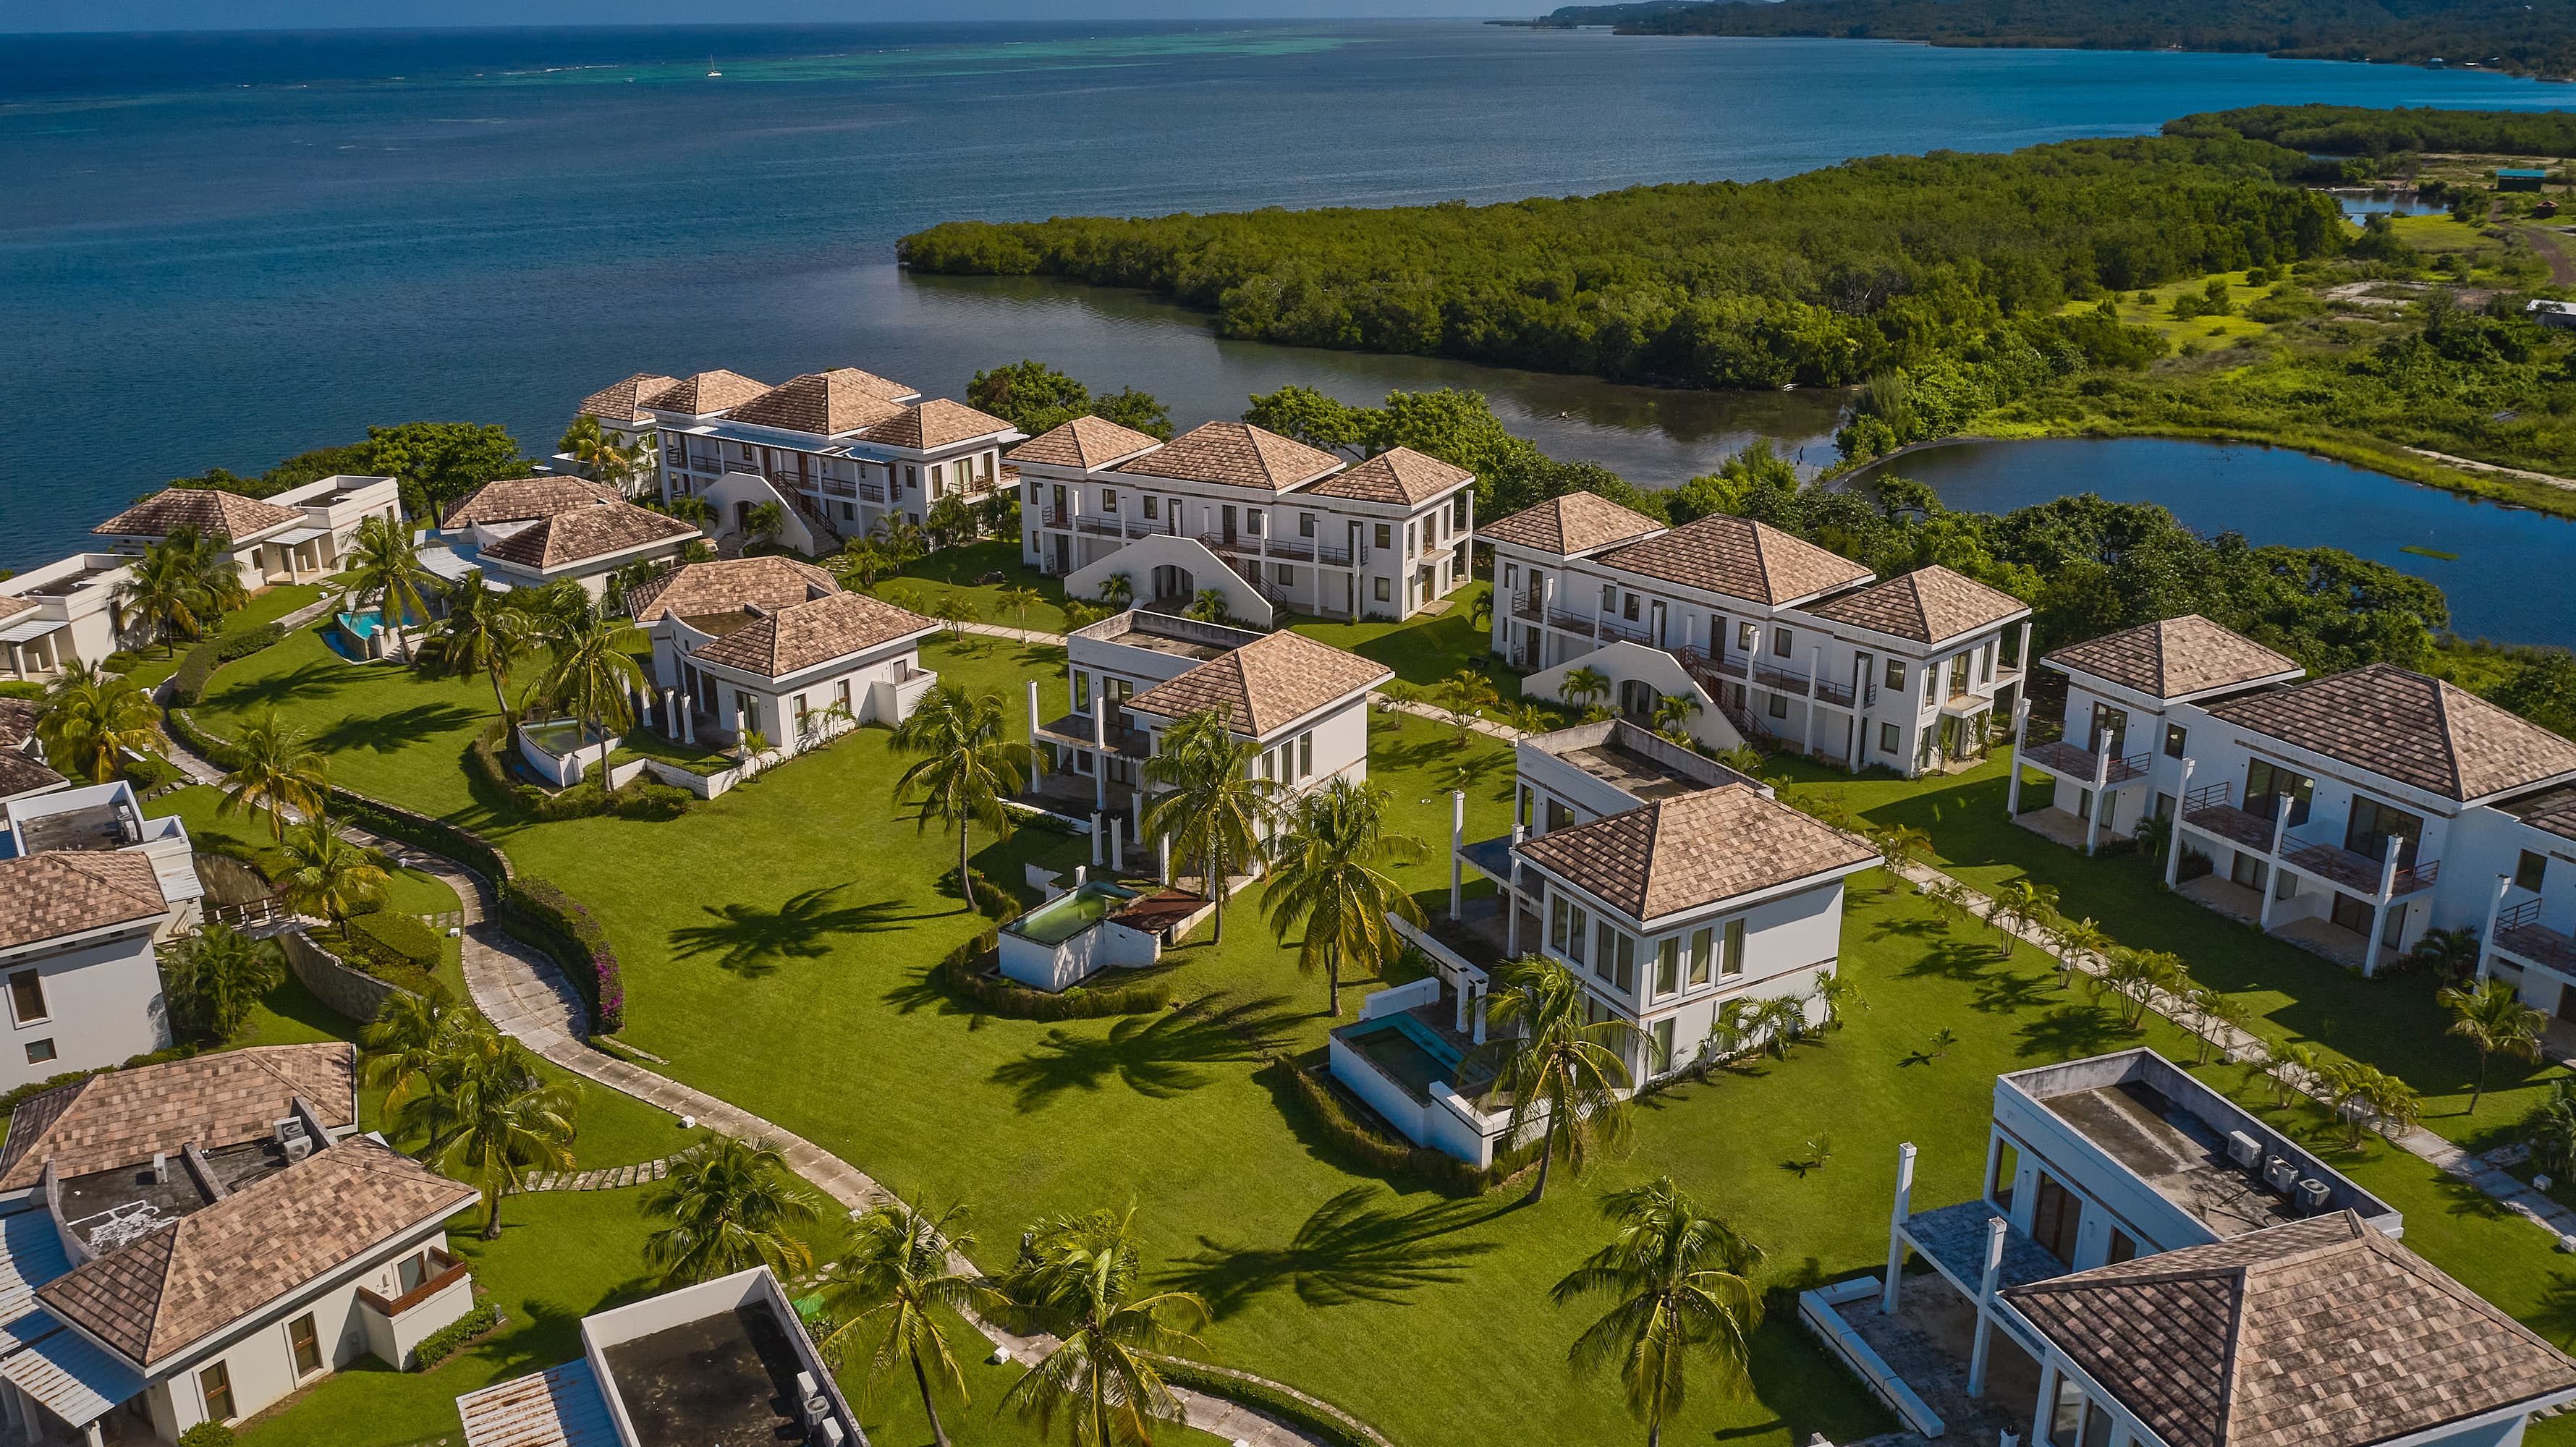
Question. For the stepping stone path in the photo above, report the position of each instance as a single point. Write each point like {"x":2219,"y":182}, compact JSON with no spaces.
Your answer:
{"x":612,"y":1179}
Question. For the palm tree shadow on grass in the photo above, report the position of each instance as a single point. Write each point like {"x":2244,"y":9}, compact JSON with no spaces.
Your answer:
{"x":2070,"y":1032}
{"x":1153,"y":1055}
{"x":1352,"y":1249}
{"x":312,"y":681}
{"x":392,"y":732}
{"x":751,"y":940}
{"x":2012,"y":994}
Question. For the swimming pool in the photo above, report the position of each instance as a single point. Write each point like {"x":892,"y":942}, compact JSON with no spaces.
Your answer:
{"x":1413,"y":1054}
{"x":1062,"y":919}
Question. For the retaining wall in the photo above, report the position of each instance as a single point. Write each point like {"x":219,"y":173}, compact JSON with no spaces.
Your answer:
{"x":347,"y":990}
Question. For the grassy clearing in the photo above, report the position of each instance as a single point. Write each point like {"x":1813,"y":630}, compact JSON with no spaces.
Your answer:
{"x":2157,"y":312}
{"x":955,"y":570}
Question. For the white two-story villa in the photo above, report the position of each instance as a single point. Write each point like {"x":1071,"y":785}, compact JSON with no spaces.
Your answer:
{"x":297,"y":536}
{"x":526,"y":532}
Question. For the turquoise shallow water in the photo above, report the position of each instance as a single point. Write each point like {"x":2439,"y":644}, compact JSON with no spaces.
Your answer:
{"x":220,"y":249}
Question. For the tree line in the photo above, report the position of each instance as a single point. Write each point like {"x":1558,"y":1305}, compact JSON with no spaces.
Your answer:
{"x":2362,"y":131}
{"x":1818,"y":279}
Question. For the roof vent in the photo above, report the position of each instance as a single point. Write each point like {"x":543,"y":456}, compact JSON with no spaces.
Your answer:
{"x":160,"y":1168}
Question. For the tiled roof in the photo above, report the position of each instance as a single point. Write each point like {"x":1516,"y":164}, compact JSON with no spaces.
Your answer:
{"x":23,"y":774}
{"x":701,"y":393}
{"x":1084,"y":442}
{"x":18,"y":716}
{"x":1398,"y":475}
{"x":2173,"y":658}
{"x":1266,"y":684}
{"x":1928,"y":605}
{"x":826,"y":404}
{"x":624,"y":401}
{"x":591,"y":532}
{"x":10,"y":606}
{"x":724,"y":585}
{"x":124,"y":1117}
{"x":523,"y":499}
{"x":1749,"y":560}
{"x":2318,"y":1333}
{"x":2402,"y":725}
{"x":934,"y":424}
{"x":65,"y":891}
{"x":211,"y":512}
{"x":1575,"y":522}
{"x":208,"y":1269}
{"x":1236,"y":454}
{"x":1693,"y":850}
{"x":797,"y":638}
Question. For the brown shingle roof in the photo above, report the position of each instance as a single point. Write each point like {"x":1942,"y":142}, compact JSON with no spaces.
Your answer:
{"x":1693,"y":850}
{"x":211,"y":512}
{"x":18,"y":716}
{"x":586,"y":533}
{"x":10,"y":606}
{"x":1084,"y":442}
{"x":934,"y":424}
{"x":1266,"y":684}
{"x":1398,"y":475}
{"x":2174,"y":658}
{"x":2402,"y":725}
{"x":62,"y":892}
{"x":724,"y":585}
{"x":2318,"y":1333}
{"x":701,"y":393}
{"x":125,"y":1117}
{"x":1741,"y":559}
{"x":523,"y":499}
{"x":826,"y":404}
{"x":1928,"y":605}
{"x":22,"y":774}
{"x":1236,"y":454}
{"x":624,"y":401}
{"x":806,"y":635}
{"x":215,"y":1265}
{"x":1576,"y":522}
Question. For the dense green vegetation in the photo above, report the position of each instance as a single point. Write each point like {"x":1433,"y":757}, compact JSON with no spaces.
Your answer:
{"x":1819,"y":279}
{"x":2362,"y":131}
{"x":1035,"y":398}
{"x":2505,"y":34}
{"x":437,"y":462}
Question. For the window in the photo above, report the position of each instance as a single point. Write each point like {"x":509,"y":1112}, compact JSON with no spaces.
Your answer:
{"x":799,"y":702}
{"x":1525,"y":809}
{"x":1410,"y":545}
{"x":2112,"y":721}
{"x":2123,"y":1248}
{"x":2264,"y":784}
{"x":1252,"y":520}
{"x":39,"y":1051}
{"x":1108,"y":495}
{"x":2528,"y":872}
{"x":410,"y":1272}
{"x":1628,"y":608}
{"x":1663,"y":1046}
{"x":939,"y":481}
{"x":1958,"y":675}
{"x":2066,"y":1414}
{"x":1384,"y":538}
{"x":1986,"y":664}
{"x":1305,"y":525}
{"x":27,"y":993}
{"x":1383,"y":591}
{"x":1747,"y":637}
{"x":1701,"y":941}
{"x":1896,"y":673}
{"x":1512,"y":575}
{"x":215,"y":1388}
{"x":1779,"y":704}
{"x":1732,"y":962}
{"x":1081,"y":692}
{"x":1574,"y":929}
{"x":1287,"y":574}
{"x":1605,"y":954}
{"x":1306,"y":754}
{"x":2367,"y":831}
{"x":1888,"y":742}
{"x":1780,"y":642}
{"x":2007,"y":1165}
{"x":1557,"y":911}
{"x":2054,"y":1218}
{"x":1558,"y":816}
{"x":307,"y":1344}
{"x":1668,"y":966}
{"x":841,"y":695}
{"x":2175,"y":737}
{"x":1618,"y":962}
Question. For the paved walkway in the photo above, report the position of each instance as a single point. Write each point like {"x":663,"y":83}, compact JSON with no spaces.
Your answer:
{"x":613,"y":1179}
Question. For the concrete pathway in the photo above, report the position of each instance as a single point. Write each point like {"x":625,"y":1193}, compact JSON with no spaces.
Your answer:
{"x":2471,"y":464}
{"x":1439,"y":715}
{"x":612,"y":1179}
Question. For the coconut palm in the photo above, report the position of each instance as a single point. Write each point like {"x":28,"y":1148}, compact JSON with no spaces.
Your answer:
{"x":2551,"y":1129}
{"x":732,"y":1205}
{"x":951,"y":522}
{"x":2451,"y":954}
{"x":967,"y":763}
{"x":901,"y":538}
{"x":2021,"y":904}
{"x":2493,"y":1019}
{"x":1672,"y":710}
{"x":1682,"y":1295}
{"x":766,"y":522}
{"x":692,"y":509}
{"x":181,"y":585}
{"x":954,"y":609}
{"x":326,"y":874}
{"x":382,"y":569}
{"x":1079,"y":1280}
{"x":1325,"y":878}
{"x":274,"y":771}
{"x":588,"y":674}
{"x":2289,"y":1064}
{"x":893,"y":1284}
{"x":2135,"y":976}
{"x":1553,"y":1064}
{"x":2217,"y":1013}
{"x":1781,"y":1021}
{"x":601,"y":455}
{"x":1019,"y":601}
{"x":1207,"y":605}
{"x":1212,"y":807}
{"x":499,"y":1118}
{"x":93,"y":720}
{"x":485,"y":634}
{"x":861,"y":562}
{"x":1839,"y":996}
{"x":1900,"y":847}
{"x":1583,"y":685}
{"x":217,"y":974}
{"x":1463,"y":696}
{"x":2077,"y":940}
{"x":407,"y":1045}
{"x":1118,"y":590}
{"x":1529,"y":718}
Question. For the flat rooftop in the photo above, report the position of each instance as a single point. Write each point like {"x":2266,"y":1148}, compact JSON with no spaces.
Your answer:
{"x":1636,"y":762}
{"x":87,"y":576}
{"x":1168,"y":634}
{"x":110,"y":1209}
{"x":110,"y":825}
{"x":724,"y":1380}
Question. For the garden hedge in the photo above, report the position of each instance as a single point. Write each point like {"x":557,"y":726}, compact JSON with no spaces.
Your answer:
{"x":399,"y":938}
{"x":642,"y":798}
{"x":441,"y":1344}
{"x":188,"y":681}
{"x":1370,"y":1149}
{"x":958,"y":974}
{"x":1323,"y":1422}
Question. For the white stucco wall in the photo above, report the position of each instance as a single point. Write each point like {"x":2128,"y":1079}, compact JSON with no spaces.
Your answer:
{"x":103,"y":1006}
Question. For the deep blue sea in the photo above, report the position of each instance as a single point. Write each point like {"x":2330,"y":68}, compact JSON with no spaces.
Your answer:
{"x":221,"y":249}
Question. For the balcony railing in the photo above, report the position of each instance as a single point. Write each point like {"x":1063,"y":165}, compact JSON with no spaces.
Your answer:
{"x":2519,"y":932}
{"x":2207,"y":809}
{"x":444,"y":1270}
{"x":1570,"y":623}
{"x":1099,"y":525}
{"x":1783,"y":679}
{"x":1526,"y":604}
{"x":2068,"y":761}
{"x":1837,"y":694}
{"x":2353,"y":870}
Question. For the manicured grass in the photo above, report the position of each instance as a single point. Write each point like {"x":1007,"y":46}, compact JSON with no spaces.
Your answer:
{"x":268,"y":607}
{"x":1427,"y":649}
{"x":954,"y":570}
{"x":392,"y":732}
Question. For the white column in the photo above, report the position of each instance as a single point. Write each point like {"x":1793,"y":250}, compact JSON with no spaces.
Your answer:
{"x":2487,"y":937}
{"x":1163,"y":859}
{"x":1978,"y":1354}
{"x":1098,"y":829}
{"x":1033,"y":722}
{"x":689,"y":724}
{"x":670,"y":713}
{"x":1904,"y":1207}
{"x":1476,"y":1022}
{"x":93,"y":1436}
{"x":2012,"y":788}
{"x":1117,"y":842}
{"x":1457,"y":841}
{"x":2101,"y":780}
{"x":2379,"y":912}
{"x":644,"y":707}
{"x":2173,"y":846}
{"x":1100,"y":747}
{"x":1463,"y":1003}
{"x":2272,"y":875}
{"x":1807,"y":729}
{"x":2047,"y":1402}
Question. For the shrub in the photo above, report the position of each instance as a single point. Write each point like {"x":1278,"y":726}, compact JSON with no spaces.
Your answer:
{"x":441,"y":1344}
{"x":151,"y":772}
{"x":1371,"y":1150}
{"x":188,"y":681}
{"x":19,"y":688}
{"x":646,"y":800}
{"x":395,"y":938}
{"x":958,"y":974}
{"x":1324,"y":1423}
{"x":207,"y":1434}
{"x":567,"y":930}
{"x":123,"y":660}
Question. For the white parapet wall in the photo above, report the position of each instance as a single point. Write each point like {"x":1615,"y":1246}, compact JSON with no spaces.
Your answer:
{"x":1817,"y":1309}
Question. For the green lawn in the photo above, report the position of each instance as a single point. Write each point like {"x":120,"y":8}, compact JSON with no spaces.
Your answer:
{"x":267,"y":607}
{"x":954,"y":570}
{"x":391,"y":732}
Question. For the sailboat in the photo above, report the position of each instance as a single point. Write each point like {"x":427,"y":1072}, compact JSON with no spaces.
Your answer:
{"x":712,"y":72}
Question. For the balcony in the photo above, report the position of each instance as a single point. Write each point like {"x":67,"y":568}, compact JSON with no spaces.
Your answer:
{"x":2520,"y":933}
{"x":2209,"y":811}
{"x":444,"y":1271}
{"x":2080,"y":766}
{"x":1074,"y":730}
{"x":1570,"y":623}
{"x":1099,"y":525}
{"x":1840,"y":695}
{"x":1055,"y":517}
{"x":1783,"y":680}
{"x":1527,"y":605}
{"x":2353,"y":871}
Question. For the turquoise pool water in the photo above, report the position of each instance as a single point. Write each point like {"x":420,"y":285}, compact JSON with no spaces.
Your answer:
{"x":363,"y":625}
{"x":1411,"y":1052}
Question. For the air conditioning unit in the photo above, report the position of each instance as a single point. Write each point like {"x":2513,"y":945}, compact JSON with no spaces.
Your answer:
{"x":2312,"y":1196}
{"x":2280,"y":1175}
{"x":2243,"y":1149}
{"x":291,"y":1128}
{"x":160,"y":1168}
{"x":828,"y":1433}
{"x":297,"y":1148}
{"x":806,"y":1387}
{"x":818,"y":1411}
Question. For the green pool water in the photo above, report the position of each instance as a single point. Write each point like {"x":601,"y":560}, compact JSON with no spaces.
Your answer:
{"x":1053,"y":924}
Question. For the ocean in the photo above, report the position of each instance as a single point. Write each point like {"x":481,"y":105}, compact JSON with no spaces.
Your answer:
{"x":223,"y":249}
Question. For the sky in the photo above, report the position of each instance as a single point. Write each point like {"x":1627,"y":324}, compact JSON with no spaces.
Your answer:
{"x":20,"y":16}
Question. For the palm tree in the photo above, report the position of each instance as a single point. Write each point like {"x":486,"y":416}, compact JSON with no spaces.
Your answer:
{"x":1673,"y":710}
{"x":217,"y":974}
{"x":767,"y":521}
{"x":1681,"y":1290}
{"x":1020,"y":600}
{"x":274,"y":772}
{"x":93,"y":720}
{"x":2551,"y":1127}
{"x":1078,"y":1280}
{"x":1900,"y":847}
{"x":500,"y":1118}
{"x":1463,"y":696}
{"x":692,"y":509}
{"x":951,"y":522}
{"x":1529,"y":718}
{"x":2493,"y":1019}
{"x":967,"y":765}
{"x":326,"y":874}
{"x":1553,"y":1063}
{"x":1207,"y":605}
{"x":176,"y":588}
{"x":2021,"y":904}
{"x":1839,"y":995}
{"x":2135,"y":976}
{"x":1781,"y":1021}
{"x":901,"y":538}
{"x":1324,"y":877}
{"x":1582,"y":686}
{"x":2294,"y":1061}
{"x":955,"y":610}
{"x":733,"y":1205}
{"x":1211,"y":806}
{"x":861,"y":562}
{"x":2077,"y":940}
{"x":484,"y":633}
{"x":588,"y":670}
{"x":893,"y":1282}
{"x":407,"y":1046}
{"x":382,"y":568}
{"x":2217,"y":1013}
{"x":602,"y":457}
{"x":1118,"y":590}
{"x":2451,"y":954}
